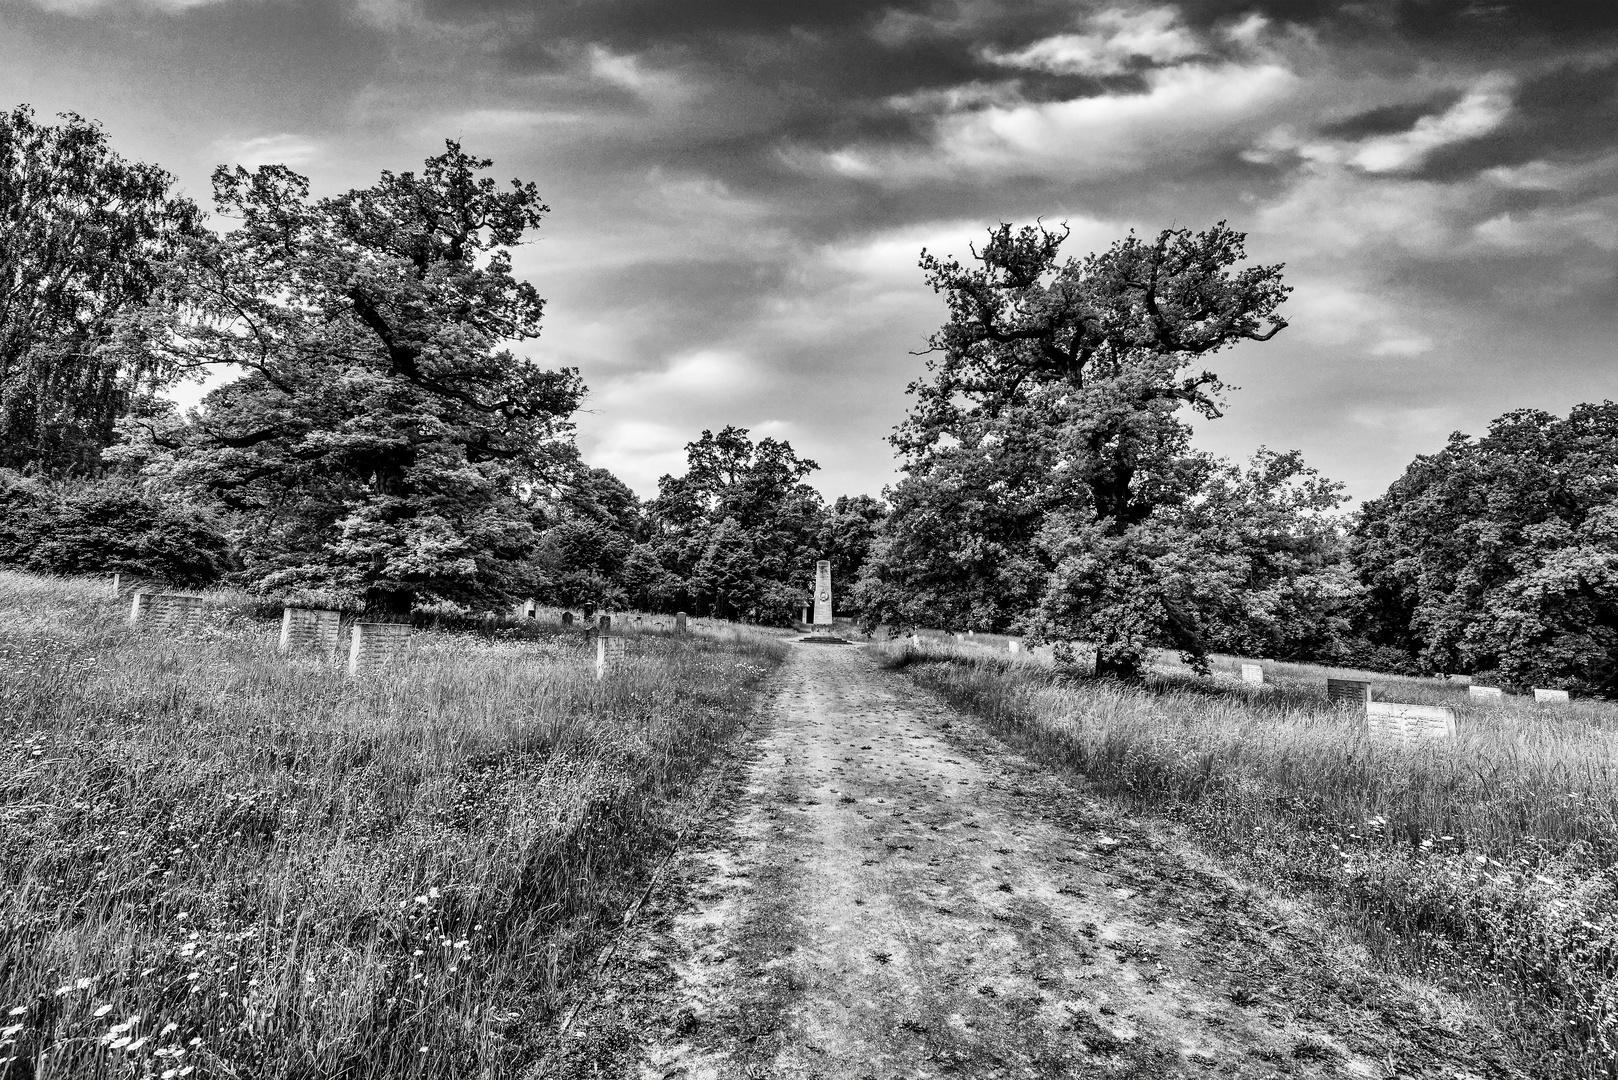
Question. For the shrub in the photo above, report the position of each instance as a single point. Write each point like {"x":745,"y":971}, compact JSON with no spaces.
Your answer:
{"x":108,"y":526}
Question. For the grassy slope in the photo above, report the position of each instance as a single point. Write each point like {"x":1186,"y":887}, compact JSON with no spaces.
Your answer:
{"x":216,"y":859}
{"x":1493,"y":853}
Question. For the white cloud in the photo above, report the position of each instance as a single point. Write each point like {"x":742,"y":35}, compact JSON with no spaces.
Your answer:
{"x":498,"y":121}
{"x":283,"y":149}
{"x":658,"y":87}
{"x":1407,"y":421}
{"x":1183,"y":112}
{"x":1482,"y":110}
{"x":84,"y":7}
{"x":1407,"y":346}
{"x":1478,"y":113}
{"x":1115,"y":42}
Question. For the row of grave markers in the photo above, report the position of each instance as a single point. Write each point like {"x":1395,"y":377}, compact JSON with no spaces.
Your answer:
{"x":1410,"y":722}
{"x":319,"y":630}
{"x":1396,"y":715}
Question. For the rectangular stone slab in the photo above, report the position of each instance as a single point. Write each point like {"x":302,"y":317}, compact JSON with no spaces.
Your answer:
{"x":1396,"y":720}
{"x":372,"y":645}
{"x":610,"y":651}
{"x":1348,"y":692}
{"x":1253,"y":674}
{"x":1549,"y":695}
{"x":166,"y":611}
{"x":1484,"y":693}
{"x":309,"y":629}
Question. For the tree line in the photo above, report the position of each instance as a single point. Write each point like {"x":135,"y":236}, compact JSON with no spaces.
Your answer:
{"x":375,"y":442}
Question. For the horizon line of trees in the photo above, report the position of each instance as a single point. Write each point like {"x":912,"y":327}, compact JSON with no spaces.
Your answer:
{"x":380,"y":447}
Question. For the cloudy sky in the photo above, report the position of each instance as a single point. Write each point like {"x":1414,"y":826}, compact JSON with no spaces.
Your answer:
{"x":740,"y":190}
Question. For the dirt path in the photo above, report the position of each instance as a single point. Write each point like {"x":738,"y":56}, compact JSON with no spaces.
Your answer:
{"x":892,"y":894}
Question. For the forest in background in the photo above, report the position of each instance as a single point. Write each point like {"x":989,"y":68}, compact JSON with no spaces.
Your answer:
{"x":379,"y":446}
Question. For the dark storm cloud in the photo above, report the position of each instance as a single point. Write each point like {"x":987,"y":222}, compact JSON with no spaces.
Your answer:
{"x":741,"y":189}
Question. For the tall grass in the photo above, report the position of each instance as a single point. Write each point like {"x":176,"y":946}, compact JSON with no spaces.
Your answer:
{"x":1495,"y":852}
{"x":215,"y":861}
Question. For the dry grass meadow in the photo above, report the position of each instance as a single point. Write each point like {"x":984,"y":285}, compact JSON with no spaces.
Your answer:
{"x":217,"y":862}
{"x":1488,"y":859}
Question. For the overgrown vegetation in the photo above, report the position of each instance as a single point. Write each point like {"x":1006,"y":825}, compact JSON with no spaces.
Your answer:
{"x":1495,"y":854}
{"x":215,"y":861}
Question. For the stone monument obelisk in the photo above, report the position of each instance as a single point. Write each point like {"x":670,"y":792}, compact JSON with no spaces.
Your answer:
{"x":823,"y":593}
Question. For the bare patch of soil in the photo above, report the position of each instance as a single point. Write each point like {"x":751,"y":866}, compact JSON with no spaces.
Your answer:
{"x":891,"y":893}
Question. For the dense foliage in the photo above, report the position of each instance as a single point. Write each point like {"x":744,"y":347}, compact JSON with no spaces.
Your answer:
{"x":108,"y":526}
{"x":382,"y":439}
{"x":1500,"y":554}
{"x":1047,"y":464}
{"x":83,"y":238}
{"x":379,"y":444}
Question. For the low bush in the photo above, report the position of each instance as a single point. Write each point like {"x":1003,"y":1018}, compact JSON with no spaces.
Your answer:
{"x":95,"y":527}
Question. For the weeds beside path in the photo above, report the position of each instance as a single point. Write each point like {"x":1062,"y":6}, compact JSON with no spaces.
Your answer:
{"x":219,"y":862}
{"x":892,"y":893}
{"x":1487,"y":859}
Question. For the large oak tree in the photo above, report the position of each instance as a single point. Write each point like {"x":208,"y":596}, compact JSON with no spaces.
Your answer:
{"x":1047,"y":460}
{"x":381,"y":438}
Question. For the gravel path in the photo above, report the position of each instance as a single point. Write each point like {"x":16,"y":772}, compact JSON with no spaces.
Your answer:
{"x":890,"y":893}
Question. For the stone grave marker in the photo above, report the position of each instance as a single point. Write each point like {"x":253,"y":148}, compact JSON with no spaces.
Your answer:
{"x":165,"y":611}
{"x":610,"y":651}
{"x":567,"y":618}
{"x":1014,"y":645}
{"x":311,"y":629}
{"x":604,"y":624}
{"x":1253,"y":674}
{"x":372,"y":645}
{"x":1355,"y":692}
{"x":1409,"y":722}
{"x":1550,"y":695}
{"x":1459,"y":680}
{"x":1484,"y":693}
{"x":679,"y":622}
{"x":823,"y":593}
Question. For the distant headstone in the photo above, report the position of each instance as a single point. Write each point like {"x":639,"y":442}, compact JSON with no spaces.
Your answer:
{"x":637,"y":622}
{"x":166,"y":611}
{"x":116,"y":578}
{"x":312,"y":629}
{"x":1409,"y":722}
{"x":1014,"y":645}
{"x":567,"y":618}
{"x":1484,"y":693}
{"x":1550,"y":695}
{"x":604,"y":624}
{"x":1253,"y":674}
{"x":371,"y":645}
{"x":804,"y":613}
{"x":823,"y":593}
{"x":1459,"y":680}
{"x":679,"y":622}
{"x":1354,"y":692}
